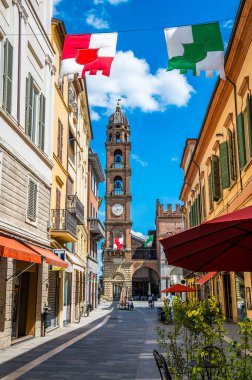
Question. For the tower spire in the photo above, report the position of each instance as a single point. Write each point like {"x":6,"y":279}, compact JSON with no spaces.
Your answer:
{"x":118,"y":105}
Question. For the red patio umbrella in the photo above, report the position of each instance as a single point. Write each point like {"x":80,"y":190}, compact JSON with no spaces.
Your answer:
{"x":178,"y":288}
{"x":221,"y":244}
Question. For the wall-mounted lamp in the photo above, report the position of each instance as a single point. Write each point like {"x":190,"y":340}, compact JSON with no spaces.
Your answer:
{"x":219,"y":135}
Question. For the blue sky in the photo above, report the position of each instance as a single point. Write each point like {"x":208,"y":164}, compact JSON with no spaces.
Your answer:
{"x":163,"y":109}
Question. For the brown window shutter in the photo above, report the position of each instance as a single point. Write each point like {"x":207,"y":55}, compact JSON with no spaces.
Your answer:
{"x":58,"y":197}
{"x":60,"y":140}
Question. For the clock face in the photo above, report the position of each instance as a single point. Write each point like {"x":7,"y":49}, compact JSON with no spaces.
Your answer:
{"x":117,"y":209}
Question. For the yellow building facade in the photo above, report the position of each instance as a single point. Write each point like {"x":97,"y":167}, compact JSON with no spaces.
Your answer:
{"x":69,"y":194}
{"x":218,"y":165}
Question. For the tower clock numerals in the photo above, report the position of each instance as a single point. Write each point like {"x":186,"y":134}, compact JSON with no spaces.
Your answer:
{"x":117,"y":209}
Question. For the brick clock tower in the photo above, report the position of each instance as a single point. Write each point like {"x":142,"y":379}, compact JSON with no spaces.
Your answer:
{"x":117,"y":251}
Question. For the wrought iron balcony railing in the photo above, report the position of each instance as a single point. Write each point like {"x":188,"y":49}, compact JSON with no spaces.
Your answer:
{"x":63,"y":220}
{"x":145,"y":254}
{"x":76,"y":208}
{"x":96,"y":228}
{"x":118,"y":192}
{"x":118,"y":165}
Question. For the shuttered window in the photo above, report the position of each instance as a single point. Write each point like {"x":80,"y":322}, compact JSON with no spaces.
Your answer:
{"x":232,"y":155}
{"x":28,"y":108}
{"x":249,"y":115}
{"x":224,"y":164}
{"x":7,"y":76}
{"x":41,"y":137}
{"x":60,"y":140}
{"x":216,"y":185}
{"x":203,"y":200}
{"x":58,"y":197}
{"x":32,"y":200}
{"x":199,"y":209}
{"x":241,"y":141}
{"x":210,"y":191}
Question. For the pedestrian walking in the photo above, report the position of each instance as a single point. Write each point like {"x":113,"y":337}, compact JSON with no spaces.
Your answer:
{"x":152,"y":300}
{"x":149,"y":300}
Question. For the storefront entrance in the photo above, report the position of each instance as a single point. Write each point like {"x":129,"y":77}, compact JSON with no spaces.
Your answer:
{"x":24,"y":301}
{"x":53,"y":300}
{"x":117,"y":291}
{"x":227,"y":296}
{"x":67,"y":297}
{"x":240,"y":296}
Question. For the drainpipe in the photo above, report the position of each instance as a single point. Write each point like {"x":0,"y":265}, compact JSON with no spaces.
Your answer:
{"x":19,"y":63}
{"x":236,"y":115}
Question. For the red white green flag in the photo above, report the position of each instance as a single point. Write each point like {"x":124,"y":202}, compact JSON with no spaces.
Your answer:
{"x":87,"y":53}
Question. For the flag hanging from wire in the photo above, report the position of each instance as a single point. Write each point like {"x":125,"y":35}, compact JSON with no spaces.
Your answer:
{"x":196,"y":47}
{"x":87,"y":53}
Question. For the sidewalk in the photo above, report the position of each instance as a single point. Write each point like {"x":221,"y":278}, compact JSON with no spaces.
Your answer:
{"x":20,"y":348}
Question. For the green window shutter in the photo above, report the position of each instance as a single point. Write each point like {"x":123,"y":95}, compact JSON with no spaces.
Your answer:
{"x":32,"y":200}
{"x":41,"y":141}
{"x":232,"y":155}
{"x":241,"y":141}
{"x":224,"y":164}
{"x":216,"y":186}
{"x":7,"y":76}
{"x":203,"y":200}
{"x":249,"y":124}
{"x":199,"y":209}
{"x":210,"y":191}
{"x":190,"y":217}
{"x":28,"y":108}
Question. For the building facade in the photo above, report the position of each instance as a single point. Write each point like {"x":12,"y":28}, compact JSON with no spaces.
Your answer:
{"x":26,"y":72}
{"x":217,"y":166}
{"x":119,"y":264}
{"x":95,"y":227}
{"x":168,"y":222}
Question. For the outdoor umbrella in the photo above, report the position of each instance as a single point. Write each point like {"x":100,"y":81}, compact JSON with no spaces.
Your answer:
{"x":222,"y":244}
{"x":178,"y":288}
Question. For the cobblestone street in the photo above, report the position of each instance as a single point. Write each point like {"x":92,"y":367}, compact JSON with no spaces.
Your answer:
{"x":110,"y":344}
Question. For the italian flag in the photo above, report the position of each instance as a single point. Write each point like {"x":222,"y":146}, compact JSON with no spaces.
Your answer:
{"x":149,"y":241}
{"x":196,"y":47}
{"x":87,"y":53}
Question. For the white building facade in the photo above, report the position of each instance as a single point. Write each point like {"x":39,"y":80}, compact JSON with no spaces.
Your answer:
{"x":26,"y":133}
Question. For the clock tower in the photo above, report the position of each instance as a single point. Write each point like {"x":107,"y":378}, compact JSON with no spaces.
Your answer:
{"x":117,"y":252}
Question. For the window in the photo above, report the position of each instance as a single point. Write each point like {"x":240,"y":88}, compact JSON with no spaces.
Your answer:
{"x":35,"y":113}
{"x":125,"y":137}
{"x":232,"y":155}
{"x":60,"y":140}
{"x":58,"y":197}
{"x":224,"y":164}
{"x":110,"y":137}
{"x":70,"y":186}
{"x":7,"y":76}
{"x":216,"y":185}
{"x":241,"y":141}
{"x":32,"y":200}
{"x":203,"y":196}
{"x":71,"y":146}
{"x":118,"y":185}
{"x":210,"y":192}
{"x":118,"y":138}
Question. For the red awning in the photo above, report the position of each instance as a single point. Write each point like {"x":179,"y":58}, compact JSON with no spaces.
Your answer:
{"x":206,"y":278}
{"x":178,"y":288}
{"x":222,"y":244}
{"x":15,"y":250}
{"x":50,"y":257}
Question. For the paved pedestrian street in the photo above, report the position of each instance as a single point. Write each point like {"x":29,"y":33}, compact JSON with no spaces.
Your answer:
{"x":117,"y":345}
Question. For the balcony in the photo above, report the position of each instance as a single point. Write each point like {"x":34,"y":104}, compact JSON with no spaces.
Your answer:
{"x":145,"y":254}
{"x":117,"y":165}
{"x":63,"y":226}
{"x":75,"y":207}
{"x":96,"y":229}
{"x":117,"y":192}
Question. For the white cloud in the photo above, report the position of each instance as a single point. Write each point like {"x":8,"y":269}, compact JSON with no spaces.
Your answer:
{"x":228,"y":24}
{"x":55,"y":3}
{"x":94,"y":115}
{"x":132,"y":81}
{"x":173,"y":159}
{"x":136,"y":158}
{"x":96,"y":21}
{"x":112,"y":2}
{"x":139,"y":234}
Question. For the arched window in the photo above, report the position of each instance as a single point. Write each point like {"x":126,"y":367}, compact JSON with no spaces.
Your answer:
{"x":118,"y":185}
{"x":125,"y":137}
{"x":118,"y":240}
{"x":118,"y":138}
{"x":110,"y":137}
{"x":118,"y":160}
